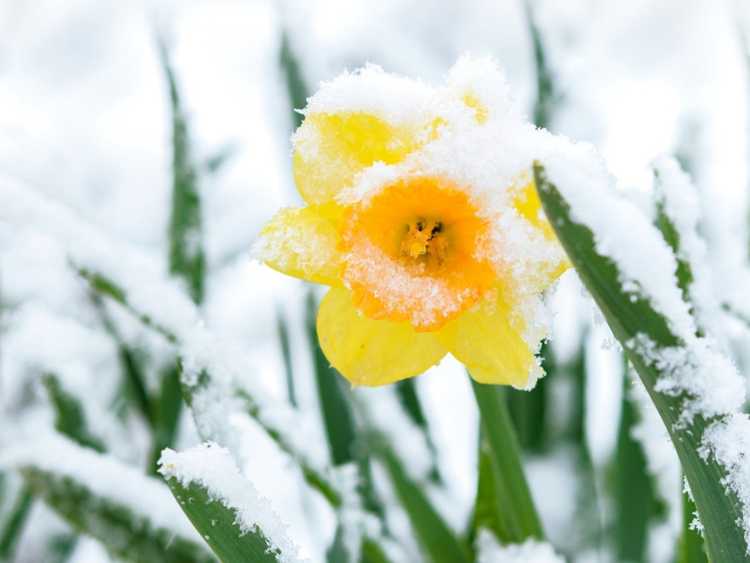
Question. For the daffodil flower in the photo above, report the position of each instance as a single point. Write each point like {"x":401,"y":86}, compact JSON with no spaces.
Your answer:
{"x":422,"y":217}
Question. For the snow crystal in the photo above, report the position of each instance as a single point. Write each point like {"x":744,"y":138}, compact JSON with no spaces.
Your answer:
{"x":103,"y":475}
{"x":621,"y":231}
{"x":705,"y":378}
{"x":531,"y":551}
{"x":394,"y":98}
{"x":682,"y":206}
{"x":212,"y":467}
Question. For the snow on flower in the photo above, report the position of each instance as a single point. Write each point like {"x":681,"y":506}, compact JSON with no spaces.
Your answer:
{"x":423,"y":218}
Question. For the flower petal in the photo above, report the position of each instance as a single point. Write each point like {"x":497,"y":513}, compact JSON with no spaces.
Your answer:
{"x":369,"y":352}
{"x":330,"y":149}
{"x":490,"y":345}
{"x":302,"y":242}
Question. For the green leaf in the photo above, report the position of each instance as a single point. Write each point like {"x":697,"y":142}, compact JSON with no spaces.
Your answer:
{"x":218,"y":526}
{"x":126,"y":534}
{"x":131,"y":364}
{"x":314,"y":476}
{"x":546,"y":94}
{"x":517,"y":519}
{"x":282,"y":329}
{"x":70,"y":418}
{"x":406,"y":391}
{"x":628,"y":316}
{"x":486,"y":511}
{"x":528,"y":410}
{"x":168,"y":408}
{"x":338,"y":418}
{"x":690,"y":548}
{"x":10,"y":533}
{"x":295,"y":84}
{"x":186,"y":257}
{"x":438,"y":541}
{"x":634,"y":495}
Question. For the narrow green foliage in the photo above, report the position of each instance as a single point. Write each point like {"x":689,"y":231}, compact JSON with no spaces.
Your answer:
{"x":344,"y":442}
{"x":317,"y":480}
{"x":337,"y":551}
{"x":372,"y":552}
{"x":282,"y":329}
{"x":130,"y":363}
{"x":218,"y":526}
{"x":70,"y":418}
{"x":11,"y":531}
{"x":528,"y":410}
{"x":546,"y":95}
{"x":335,"y":406}
{"x":313,"y":476}
{"x":671,"y":235}
{"x":439,"y":543}
{"x":214,"y":163}
{"x":295,"y":83}
{"x":126,"y":534}
{"x":634,"y":495}
{"x":108,"y":288}
{"x":61,"y":547}
{"x":486,"y":510}
{"x":517,"y":519}
{"x":690,"y":548}
{"x":167,"y":410}
{"x":629,"y":315}
{"x":186,"y":257}
{"x":406,"y":391}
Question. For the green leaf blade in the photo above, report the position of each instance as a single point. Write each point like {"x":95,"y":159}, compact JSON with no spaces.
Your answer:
{"x":628,"y":316}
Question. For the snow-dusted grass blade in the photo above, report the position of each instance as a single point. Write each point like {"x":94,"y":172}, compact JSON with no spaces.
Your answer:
{"x":167,"y":409}
{"x":335,"y":402}
{"x":224,"y":507}
{"x":133,"y":516}
{"x":690,"y":546}
{"x":13,"y":526}
{"x":295,"y":83}
{"x":186,"y":257}
{"x":282,"y":329}
{"x":515,"y":515}
{"x":313,"y":475}
{"x":406,"y":390}
{"x":630,"y":315}
{"x":635,"y":504}
{"x":439,"y":543}
{"x":70,"y":418}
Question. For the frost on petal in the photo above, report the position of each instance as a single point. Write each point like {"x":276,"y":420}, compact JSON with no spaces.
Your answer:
{"x":302,"y":243}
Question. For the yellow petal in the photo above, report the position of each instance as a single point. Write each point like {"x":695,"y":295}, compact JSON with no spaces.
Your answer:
{"x":331,"y":149}
{"x":529,"y":206}
{"x":369,"y":352}
{"x":490,"y":345}
{"x":302,"y":242}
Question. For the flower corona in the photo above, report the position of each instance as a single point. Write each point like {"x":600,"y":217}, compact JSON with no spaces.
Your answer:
{"x":422,"y":218}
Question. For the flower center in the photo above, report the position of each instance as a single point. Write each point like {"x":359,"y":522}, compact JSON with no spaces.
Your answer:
{"x":412,"y":253}
{"x":425,"y":242}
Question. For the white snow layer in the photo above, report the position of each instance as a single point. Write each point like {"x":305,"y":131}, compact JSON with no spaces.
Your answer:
{"x":531,"y":551}
{"x":104,"y":476}
{"x":212,"y":468}
{"x":151,"y":293}
{"x":696,"y":370}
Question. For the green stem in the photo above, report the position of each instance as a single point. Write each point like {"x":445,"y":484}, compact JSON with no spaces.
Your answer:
{"x":515,"y":507}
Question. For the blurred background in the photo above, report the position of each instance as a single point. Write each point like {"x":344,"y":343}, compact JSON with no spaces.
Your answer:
{"x":86,"y":120}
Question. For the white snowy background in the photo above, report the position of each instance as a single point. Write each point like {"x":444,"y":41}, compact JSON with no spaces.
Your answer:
{"x":84,"y":120}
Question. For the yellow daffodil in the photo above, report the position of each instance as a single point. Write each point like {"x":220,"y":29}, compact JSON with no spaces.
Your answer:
{"x":422,"y":218}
